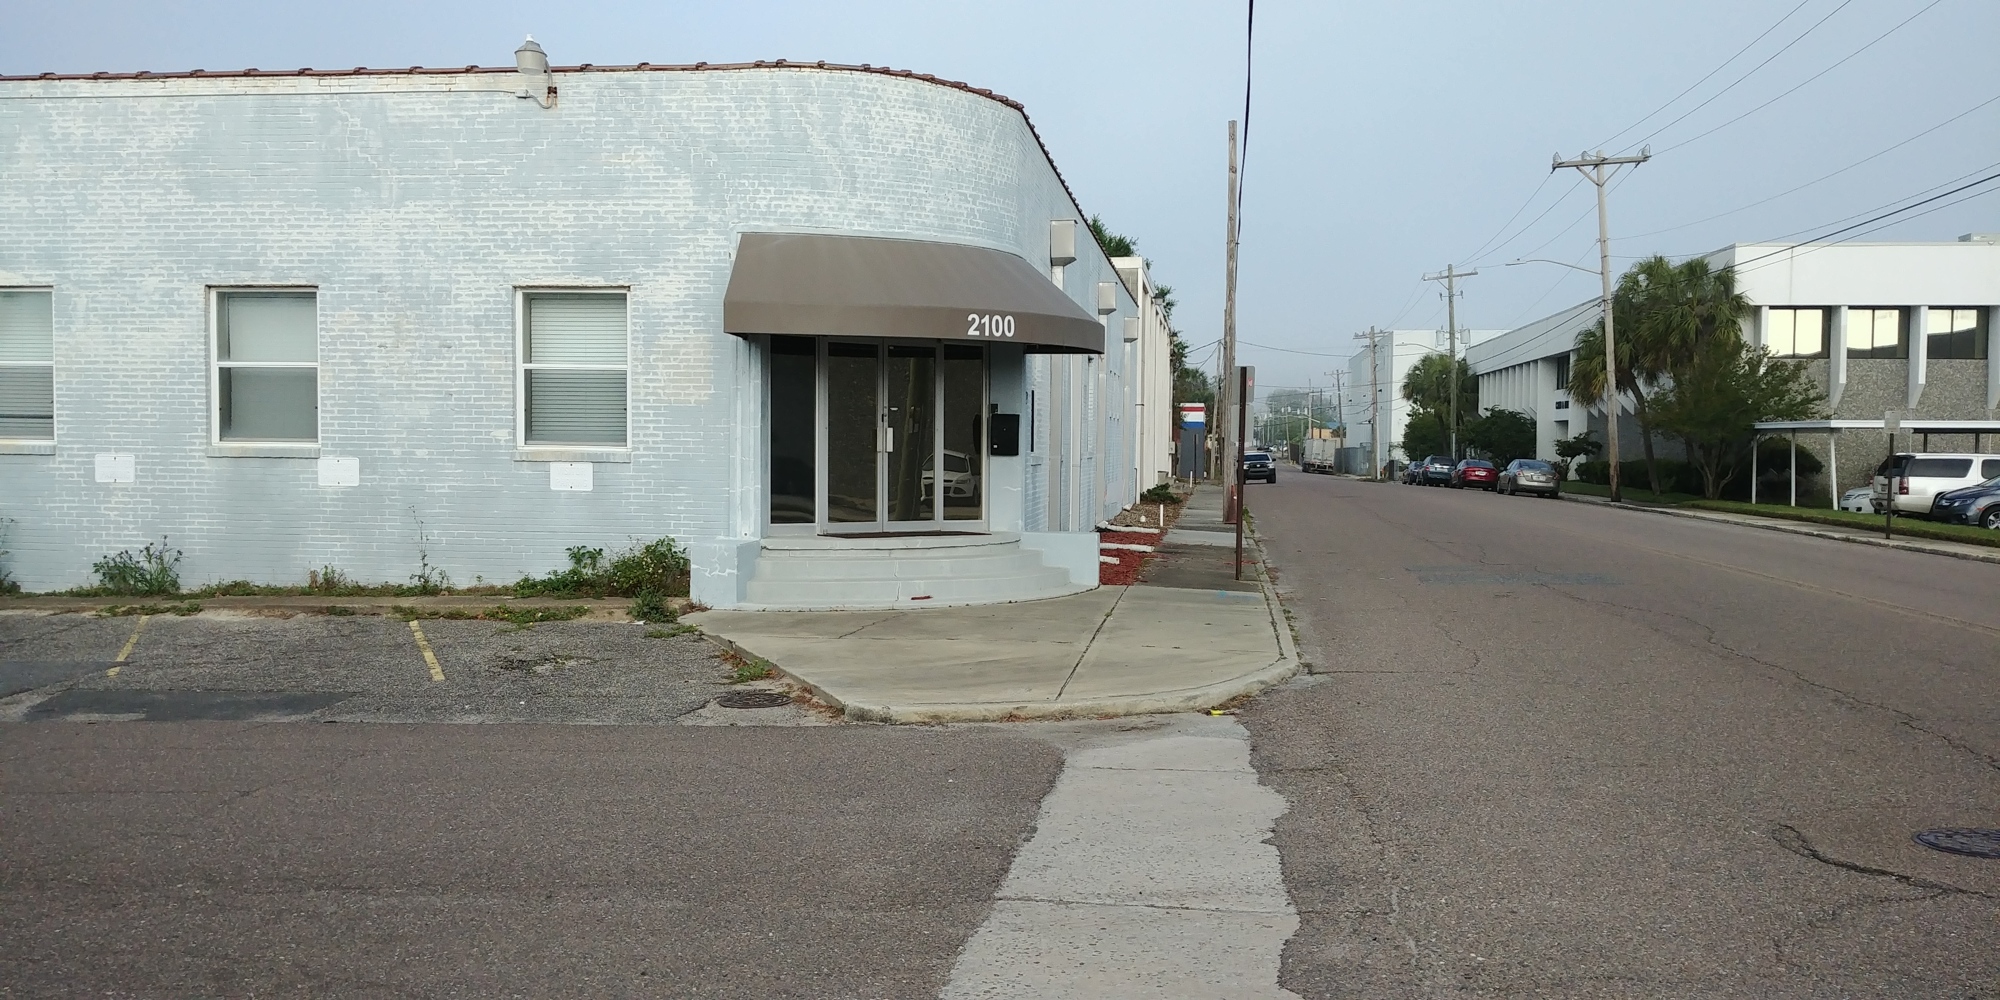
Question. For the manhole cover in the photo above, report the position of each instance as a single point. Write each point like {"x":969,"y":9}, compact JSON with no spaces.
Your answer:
{"x":754,"y":699}
{"x":1969,"y":842}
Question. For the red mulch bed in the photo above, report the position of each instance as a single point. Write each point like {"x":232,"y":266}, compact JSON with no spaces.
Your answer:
{"x":1126,"y":571}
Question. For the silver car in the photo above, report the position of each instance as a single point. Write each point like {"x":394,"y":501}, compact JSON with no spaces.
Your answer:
{"x":1527,"y":475}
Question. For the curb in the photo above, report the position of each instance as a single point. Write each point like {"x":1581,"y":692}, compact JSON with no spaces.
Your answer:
{"x":1799,"y":528}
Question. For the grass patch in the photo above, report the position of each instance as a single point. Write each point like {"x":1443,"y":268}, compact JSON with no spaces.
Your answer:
{"x":518,"y":617}
{"x":1908,"y":526}
{"x":1633,"y":494}
{"x":671,"y":631}
{"x":339,"y":611}
{"x":744,"y":669}
{"x":181,"y":608}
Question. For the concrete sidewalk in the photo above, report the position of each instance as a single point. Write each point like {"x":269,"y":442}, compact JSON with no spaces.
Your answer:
{"x":1111,"y":651}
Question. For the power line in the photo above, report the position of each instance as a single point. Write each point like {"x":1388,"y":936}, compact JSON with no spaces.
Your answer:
{"x":1807,"y":80}
{"x":1753,"y":70}
{"x":1511,"y":218}
{"x":1705,"y":78}
{"x":1822,"y":238}
{"x":1531,"y":223}
{"x":1816,"y":180}
{"x":1810,"y":248}
{"x":1249,"y":52}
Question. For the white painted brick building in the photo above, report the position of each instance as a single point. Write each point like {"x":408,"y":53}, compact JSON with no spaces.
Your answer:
{"x":416,"y":214}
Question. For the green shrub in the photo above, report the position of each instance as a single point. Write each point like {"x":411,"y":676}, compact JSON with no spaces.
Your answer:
{"x":652,"y":606}
{"x":153,"y":572}
{"x":658,"y":567}
{"x":1163,"y":493}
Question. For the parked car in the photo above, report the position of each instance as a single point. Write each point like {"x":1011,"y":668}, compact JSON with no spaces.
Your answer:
{"x":1434,"y":471}
{"x":959,"y":479}
{"x":1258,"y":465}
{"x":1475,"y":472}
{"x":1411,"y":473}
{"x":1912,"y":481}
{"x":1978,"y":505}
{"x":1859,"y":500}
{"x":1528,"y":475}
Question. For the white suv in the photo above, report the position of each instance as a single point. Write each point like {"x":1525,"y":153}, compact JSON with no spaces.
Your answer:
{"x":1913,"y":481}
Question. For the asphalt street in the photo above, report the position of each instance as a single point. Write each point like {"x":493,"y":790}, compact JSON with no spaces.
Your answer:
{"x":1558,"y":749}
{"x":372,"y":860}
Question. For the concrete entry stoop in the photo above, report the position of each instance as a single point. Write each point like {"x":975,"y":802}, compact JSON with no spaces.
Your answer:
{"x":812,"y":573}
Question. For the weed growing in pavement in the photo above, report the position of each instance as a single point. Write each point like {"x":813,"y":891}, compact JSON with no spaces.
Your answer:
{"x":649,"y":606}
{"x":153,"y":572}
{"x":428,"y":579}
{"x":181,"y":608}
{"x":658,"y":567}
{"x":331,"y":582}
{"x":339,"y":611}
{"x":518,"y":617}
{"x":671,"y":631}
{"x":742,"y":669}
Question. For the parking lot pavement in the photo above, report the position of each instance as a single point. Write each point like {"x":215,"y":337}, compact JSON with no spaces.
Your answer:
{"x":350,"y":669}
{"x":230,"y":859}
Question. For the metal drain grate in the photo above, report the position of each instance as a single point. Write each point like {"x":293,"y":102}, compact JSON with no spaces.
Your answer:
{"x":754,"y":699}
{"x":1972,"y":843}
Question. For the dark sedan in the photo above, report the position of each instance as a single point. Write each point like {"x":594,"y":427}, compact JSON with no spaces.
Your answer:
{"x":1434,"y":471}
{"x":1474,"y":472}
{"x":1978,"y":505}
{"x":1526,"y":475}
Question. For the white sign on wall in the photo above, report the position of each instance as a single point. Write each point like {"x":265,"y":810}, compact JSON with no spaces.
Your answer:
{"x":339,"y":472}
{"x":573,"y":477}
{"x":117,"y":469}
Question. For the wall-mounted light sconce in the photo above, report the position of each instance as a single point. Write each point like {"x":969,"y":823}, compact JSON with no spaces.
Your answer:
{"x":1062,"y":247}
{"x":1107,"y":298}
{"x":536,"y":83}
{"x":1131,"y":329}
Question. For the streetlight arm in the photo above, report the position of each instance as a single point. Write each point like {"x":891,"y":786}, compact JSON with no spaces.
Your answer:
{"x":1545,"y":260}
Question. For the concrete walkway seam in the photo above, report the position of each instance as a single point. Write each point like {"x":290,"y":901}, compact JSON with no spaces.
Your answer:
{"x":1799,"y":528}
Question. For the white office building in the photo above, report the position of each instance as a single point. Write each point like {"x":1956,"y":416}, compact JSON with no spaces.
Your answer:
{"x":1372,"y":387}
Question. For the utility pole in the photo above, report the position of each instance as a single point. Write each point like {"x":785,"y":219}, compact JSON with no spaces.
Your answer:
{"x":1374,"y":403}
{"x":1450,"y":278}
{"x":1592,"y":168}
{"x":1231,"y":429}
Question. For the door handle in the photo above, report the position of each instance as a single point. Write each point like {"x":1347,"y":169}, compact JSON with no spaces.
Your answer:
{"x":888,"y":439}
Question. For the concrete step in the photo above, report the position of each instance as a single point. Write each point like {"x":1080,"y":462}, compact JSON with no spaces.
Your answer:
{"x":919,"y":571}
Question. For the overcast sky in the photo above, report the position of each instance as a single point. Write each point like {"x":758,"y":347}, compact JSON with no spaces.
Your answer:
{"x":1386,"y":139}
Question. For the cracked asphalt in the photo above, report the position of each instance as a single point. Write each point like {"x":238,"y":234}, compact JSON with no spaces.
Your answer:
{"x":1556,"y":749}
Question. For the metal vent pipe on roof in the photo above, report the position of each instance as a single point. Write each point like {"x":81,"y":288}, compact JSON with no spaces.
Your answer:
{"x":533,"y":65}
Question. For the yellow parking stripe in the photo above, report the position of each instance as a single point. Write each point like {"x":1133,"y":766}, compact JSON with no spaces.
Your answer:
{"x":129,"y":644}
{"x":424,"y":646}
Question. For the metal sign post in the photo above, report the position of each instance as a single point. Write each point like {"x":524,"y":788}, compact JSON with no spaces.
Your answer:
{"x":1892,"y":421}
{"x":1245,"y":378}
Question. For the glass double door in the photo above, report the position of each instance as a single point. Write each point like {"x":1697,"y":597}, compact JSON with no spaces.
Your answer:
{"x":899,"y":436}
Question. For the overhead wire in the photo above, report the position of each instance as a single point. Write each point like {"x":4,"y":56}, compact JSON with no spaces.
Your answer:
{"x":1707,"y":76}
{"x":1822,"y":239}
{"x":1837,"y":64}
{"x":1879,"y":153}
{"x":1752,"y":72}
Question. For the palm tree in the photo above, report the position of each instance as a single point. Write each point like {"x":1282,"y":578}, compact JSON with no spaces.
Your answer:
{"x":1667,"y":314}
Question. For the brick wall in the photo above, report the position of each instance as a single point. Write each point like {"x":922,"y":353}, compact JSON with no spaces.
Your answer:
{"x":416,"y":206}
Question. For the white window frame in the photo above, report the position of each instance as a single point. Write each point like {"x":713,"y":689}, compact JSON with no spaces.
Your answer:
{"x":563,"y":452}
{"x":39,"y":442}
{"x":216,"y":293}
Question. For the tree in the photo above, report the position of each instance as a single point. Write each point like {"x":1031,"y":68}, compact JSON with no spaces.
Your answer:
{"x":1427,"y":386}
{"x":1111,"y":243}
{"x":1582,"y":445}
{"x":1667,"y":314}
{"x":1423,"y":438}
{"x":1502,"y":435}
{"x":1717,"y":397}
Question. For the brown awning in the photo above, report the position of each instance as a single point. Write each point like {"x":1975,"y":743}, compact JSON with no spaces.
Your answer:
{"x":857,"y":286}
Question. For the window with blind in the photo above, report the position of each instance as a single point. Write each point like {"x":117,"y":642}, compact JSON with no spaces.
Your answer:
{"x":27,"y":367}
{"x":1796,"y":333}
{"x":1955,"y":334}
{"x":267,"y":366}
{"x":573,"y":368}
